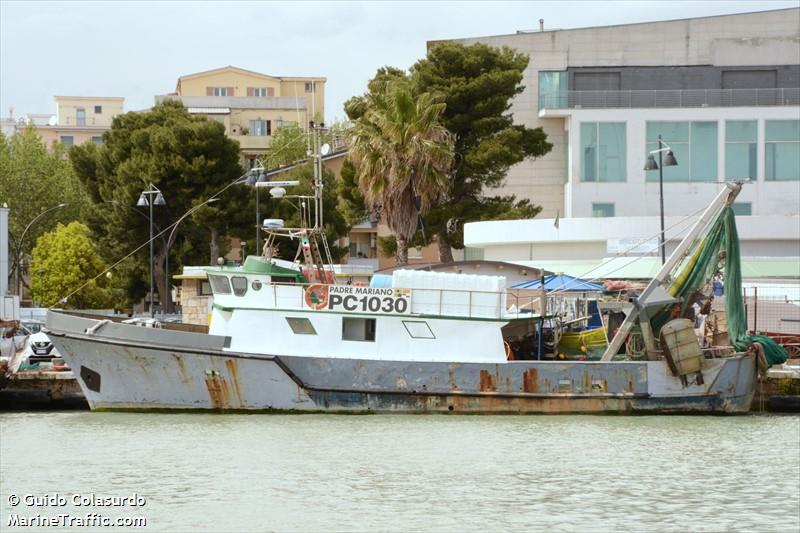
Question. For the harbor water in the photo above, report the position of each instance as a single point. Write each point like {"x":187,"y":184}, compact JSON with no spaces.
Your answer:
{"x":198,"y":472}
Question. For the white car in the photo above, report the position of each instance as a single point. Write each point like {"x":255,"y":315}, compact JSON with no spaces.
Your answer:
{"x":39,"y":349}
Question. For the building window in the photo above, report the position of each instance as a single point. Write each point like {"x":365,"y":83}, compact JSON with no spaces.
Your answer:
{"x":741,"y":140}
{"x":552,"y":90}
{"x":98,"y":109}
{"x":782,"y":150}
{"x":742,"y":209}
{"x":301,"y":326}
{"x":67,"y":140}
{"x":219,"y":284}
{"x":203,"y":288}
{"x":603,"y":151}
{"x":358,"y":329}
{"x":694,"y":145}
{"x":260,"y":91}
{"x":80,"y":118}
{"x":239,"y":284}
{"x":260,"y":128}
{"x":219,"y":91}
{"x":418,"y":329}
{"x":473,"y":254}
{"x":97,"y":139}
{"x":310,"y":86}
{"x":602,"y":210}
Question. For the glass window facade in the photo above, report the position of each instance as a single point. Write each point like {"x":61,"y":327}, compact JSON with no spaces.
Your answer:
{"x":602,"y":210}
{"x":782,"y":150}
{"x":742,"y":209}
{"x":552,"y":90}
{"x":703,"y":151}
{"x":603,"y":149}
{"x":694,"y":145}
{"x":741,"y":141}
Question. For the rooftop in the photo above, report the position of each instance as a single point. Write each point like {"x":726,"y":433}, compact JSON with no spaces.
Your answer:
{"x":787,"y":11}
{"x":250,"y":72}
{"x":236,"y":102}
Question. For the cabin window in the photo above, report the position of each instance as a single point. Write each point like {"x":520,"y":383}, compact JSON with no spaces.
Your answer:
{"x":358,"y":329}
{"x":239,"y":285}
{"x":418,"y":329}
{"x":256,"y":285}
{"x":203,"y":288}
{"x":301,"y":326}
{"x":219,"y":284}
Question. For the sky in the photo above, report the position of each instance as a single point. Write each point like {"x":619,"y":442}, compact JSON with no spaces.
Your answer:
{"x":139,"y":49}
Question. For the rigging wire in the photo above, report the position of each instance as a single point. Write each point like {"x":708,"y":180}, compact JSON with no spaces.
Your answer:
{"x":624,"y":253}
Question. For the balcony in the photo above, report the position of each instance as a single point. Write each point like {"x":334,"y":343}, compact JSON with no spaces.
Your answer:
{"x":252,"y":142}
{"x":671,"y":98}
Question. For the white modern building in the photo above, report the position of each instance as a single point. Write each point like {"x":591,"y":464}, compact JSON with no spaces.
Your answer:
{"x":722,"y":92}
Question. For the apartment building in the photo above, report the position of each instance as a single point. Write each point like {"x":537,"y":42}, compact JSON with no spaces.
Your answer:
{"x":722,"y":92}
{"x":252,"y":106}
{"x":79,"y":119}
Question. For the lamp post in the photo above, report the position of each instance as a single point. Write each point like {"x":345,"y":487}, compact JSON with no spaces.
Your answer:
{"x":147,"y":198}
{"x":668,"y":161}
{"x":18,"y":251}
{"x":257,"y":174}
{"x":169,"y":244}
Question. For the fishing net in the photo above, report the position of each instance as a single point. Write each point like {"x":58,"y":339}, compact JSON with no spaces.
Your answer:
{"x":719,"y":251}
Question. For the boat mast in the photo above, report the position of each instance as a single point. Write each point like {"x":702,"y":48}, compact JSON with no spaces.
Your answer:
{"x":654,"y":294}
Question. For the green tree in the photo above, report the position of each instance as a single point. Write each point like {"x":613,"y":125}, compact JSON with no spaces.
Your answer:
{"x":401,"y":151}
{"x":32,"y":180}
{"x":63,"y":261}
{"x":477,"y":84}
{"x":290,"y":144}
{"x":351,"y":201}
{"x":189,"y":159}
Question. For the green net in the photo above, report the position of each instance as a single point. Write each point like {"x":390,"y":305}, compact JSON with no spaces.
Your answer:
{"x":719,"y":250}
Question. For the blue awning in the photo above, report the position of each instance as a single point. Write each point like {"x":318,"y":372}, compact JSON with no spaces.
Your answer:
{"x":561,"y":282}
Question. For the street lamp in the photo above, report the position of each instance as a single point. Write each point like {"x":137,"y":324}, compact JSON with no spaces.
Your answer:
{"x":17,"y":266}
{"x":667,"y":161}
{"x":146,"y":198}
{"x":169,"y":244}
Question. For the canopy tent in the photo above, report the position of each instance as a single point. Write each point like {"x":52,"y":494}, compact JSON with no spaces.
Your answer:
{"x":561,"y":282}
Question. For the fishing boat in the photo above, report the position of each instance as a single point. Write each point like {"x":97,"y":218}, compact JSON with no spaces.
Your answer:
{"x":284,"y":337}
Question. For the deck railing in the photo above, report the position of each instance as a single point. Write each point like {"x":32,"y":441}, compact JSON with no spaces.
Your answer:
{"x":439,"y":302}
{"x":671,"y":98}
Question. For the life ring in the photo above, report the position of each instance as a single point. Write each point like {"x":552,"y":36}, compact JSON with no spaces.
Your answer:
{"x":317,"y":296}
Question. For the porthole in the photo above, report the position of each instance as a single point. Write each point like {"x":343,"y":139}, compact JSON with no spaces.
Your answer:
{"x":256,"y":285}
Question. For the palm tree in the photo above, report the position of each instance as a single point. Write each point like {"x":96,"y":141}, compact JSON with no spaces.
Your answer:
{"x":402,"y":154}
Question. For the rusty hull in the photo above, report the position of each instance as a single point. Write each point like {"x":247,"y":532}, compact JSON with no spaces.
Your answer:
{"x":166,"y":374}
